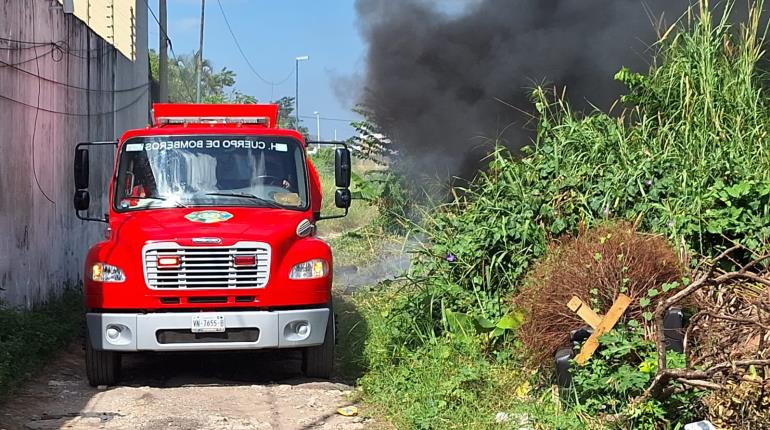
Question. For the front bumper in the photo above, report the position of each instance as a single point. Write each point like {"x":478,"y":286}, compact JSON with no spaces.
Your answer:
{"x":145,"y":332}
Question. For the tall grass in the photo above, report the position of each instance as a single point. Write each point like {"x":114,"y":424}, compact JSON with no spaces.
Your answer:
{"x":29,"y":338}
{"x":361,"y":212}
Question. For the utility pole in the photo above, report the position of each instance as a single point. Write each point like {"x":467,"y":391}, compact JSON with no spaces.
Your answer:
{"x":318,"y":124}
{"x":296,"y":88}
{"x":199,"y":69}
{"x":163,"y":57}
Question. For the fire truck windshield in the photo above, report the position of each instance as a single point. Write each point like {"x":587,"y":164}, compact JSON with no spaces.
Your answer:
{"x":185,"y":171}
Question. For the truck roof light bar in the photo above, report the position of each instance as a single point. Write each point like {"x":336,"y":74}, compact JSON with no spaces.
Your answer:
{"x":260,"y":120}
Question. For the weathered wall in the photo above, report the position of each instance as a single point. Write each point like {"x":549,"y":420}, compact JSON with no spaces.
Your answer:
{"x":88,"y":91}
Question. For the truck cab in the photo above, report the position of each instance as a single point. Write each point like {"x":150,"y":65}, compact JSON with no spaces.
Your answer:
{"x":211,"y":240}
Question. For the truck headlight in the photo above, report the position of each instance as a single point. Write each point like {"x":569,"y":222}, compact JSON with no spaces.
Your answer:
{"x":102,"y":272}
{"x":313,"y":269}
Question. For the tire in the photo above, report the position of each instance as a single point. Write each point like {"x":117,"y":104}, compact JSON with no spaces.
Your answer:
{"x":318,"y":361}
{"x":102,"y":367}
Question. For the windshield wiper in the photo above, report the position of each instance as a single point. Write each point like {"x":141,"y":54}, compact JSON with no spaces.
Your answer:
{"x":258,"y":199}
{"x":164,"y":199}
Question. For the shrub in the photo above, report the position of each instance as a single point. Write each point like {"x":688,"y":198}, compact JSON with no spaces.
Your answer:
{"x":596,"y":266}
{"x":30,"y":337}
{"x":447,"y":382}
{"x":605,"y":388}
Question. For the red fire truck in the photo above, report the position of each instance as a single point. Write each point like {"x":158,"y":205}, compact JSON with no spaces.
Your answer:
{"x":211,"y":240}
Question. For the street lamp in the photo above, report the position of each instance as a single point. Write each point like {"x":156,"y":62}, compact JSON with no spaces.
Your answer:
{"x":318,"y":125}
{"x":296,"y":88}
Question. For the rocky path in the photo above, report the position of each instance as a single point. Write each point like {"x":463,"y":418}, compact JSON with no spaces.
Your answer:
{"x":263,"y":390}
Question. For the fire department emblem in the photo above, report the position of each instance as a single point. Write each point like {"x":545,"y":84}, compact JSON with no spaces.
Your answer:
{"x":209,"y":217}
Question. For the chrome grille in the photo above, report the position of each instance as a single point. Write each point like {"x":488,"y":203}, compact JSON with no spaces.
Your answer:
{"x":206,"y":267}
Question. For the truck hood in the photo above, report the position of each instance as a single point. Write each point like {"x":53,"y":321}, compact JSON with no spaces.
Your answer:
{"x":230,"y":225}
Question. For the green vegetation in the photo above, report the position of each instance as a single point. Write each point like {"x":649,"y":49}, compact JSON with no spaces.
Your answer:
{"x":362,"y":213}
{"x":687,"y":159}
{"x":444,"y":382}
{"x":621,"y":371}
{"x":31,"y":337}
{"x":216,"y":87}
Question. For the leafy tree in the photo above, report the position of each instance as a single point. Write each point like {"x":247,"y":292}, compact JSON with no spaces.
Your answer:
{"x":371,"y":143}
{"x":215,"y":85}
{"x":286,"y":116}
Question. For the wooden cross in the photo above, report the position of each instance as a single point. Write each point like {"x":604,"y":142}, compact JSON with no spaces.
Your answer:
{"x":600,"y":324}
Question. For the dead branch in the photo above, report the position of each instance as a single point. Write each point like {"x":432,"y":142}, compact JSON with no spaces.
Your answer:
{"x":733,"y":312}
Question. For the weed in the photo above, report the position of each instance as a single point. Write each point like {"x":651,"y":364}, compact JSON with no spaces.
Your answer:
{"x":447,"y":382}
{"x":361,"y":212}
{"x":31,"y":337}
{"x":620,"y":371}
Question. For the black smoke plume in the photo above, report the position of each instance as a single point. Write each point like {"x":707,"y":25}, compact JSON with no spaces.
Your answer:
{"x":441,"y":84}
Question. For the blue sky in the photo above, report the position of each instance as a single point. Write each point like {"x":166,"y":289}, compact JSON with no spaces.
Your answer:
{"x":272,"y":34}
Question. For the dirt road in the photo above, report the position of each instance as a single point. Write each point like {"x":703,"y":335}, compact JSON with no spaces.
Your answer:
{"x":182,"y":391}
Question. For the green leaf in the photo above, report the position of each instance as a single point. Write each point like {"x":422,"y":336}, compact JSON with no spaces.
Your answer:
{"x":485,"y":323}
{"x":460,"y":324}
{"x":669,"y":286}
{"x":558,"y":226}
{"x":652,"y":292}
{"x":644,"y":302}
{"x":511,"y":321}
{"x":647,"y":316}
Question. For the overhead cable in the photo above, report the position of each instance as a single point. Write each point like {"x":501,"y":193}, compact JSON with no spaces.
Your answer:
{"x":328,"y":119}
{"x":238,"y":45}
{"x":170,"y":45}
{"x":34,"y":124}
{"x":64,"y":84}
{"x":77,"y":114}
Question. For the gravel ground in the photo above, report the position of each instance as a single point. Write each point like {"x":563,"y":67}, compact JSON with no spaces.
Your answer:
{"x":263,"y":390}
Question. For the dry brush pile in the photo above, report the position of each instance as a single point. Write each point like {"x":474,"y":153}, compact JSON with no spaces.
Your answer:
{"x":727,"y":342}
{"x":596,"y":266}
{"x":724,"y":372}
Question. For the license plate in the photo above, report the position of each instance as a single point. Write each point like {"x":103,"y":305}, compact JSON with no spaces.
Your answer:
{"x":208,"y":323}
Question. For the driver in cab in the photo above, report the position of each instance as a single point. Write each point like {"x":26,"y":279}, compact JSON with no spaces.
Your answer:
{"x":239,"y":170}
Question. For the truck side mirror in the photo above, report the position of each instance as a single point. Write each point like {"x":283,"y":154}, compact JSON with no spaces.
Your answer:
{"x":81,"y":169}
{"x":342,"y":169}
{"x":342,"y":198}
{"x":82,"y":200}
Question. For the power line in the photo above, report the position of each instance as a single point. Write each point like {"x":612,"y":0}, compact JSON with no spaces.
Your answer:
{"x":170,"y":45}
{"x":64,"y":84}
{"x":329,"y":119}
{"x":238,"y":45}
{"x":24,"y":42}
{"x":34,"y":125}
{"x":27,"y":60}
{"x":76,"y":114}
{"x":61,"y":46}
{"x":162,"y":30}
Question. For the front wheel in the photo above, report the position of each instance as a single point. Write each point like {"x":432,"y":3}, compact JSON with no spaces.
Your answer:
{"x":318,"y":361}
{"x":102,"y":367}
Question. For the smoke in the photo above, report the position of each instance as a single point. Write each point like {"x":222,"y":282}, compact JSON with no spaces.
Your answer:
{"x":393,"y":261}
{"x":442,"y":80}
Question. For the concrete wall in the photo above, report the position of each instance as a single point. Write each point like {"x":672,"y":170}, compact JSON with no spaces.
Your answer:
{"x":98,"y":93}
